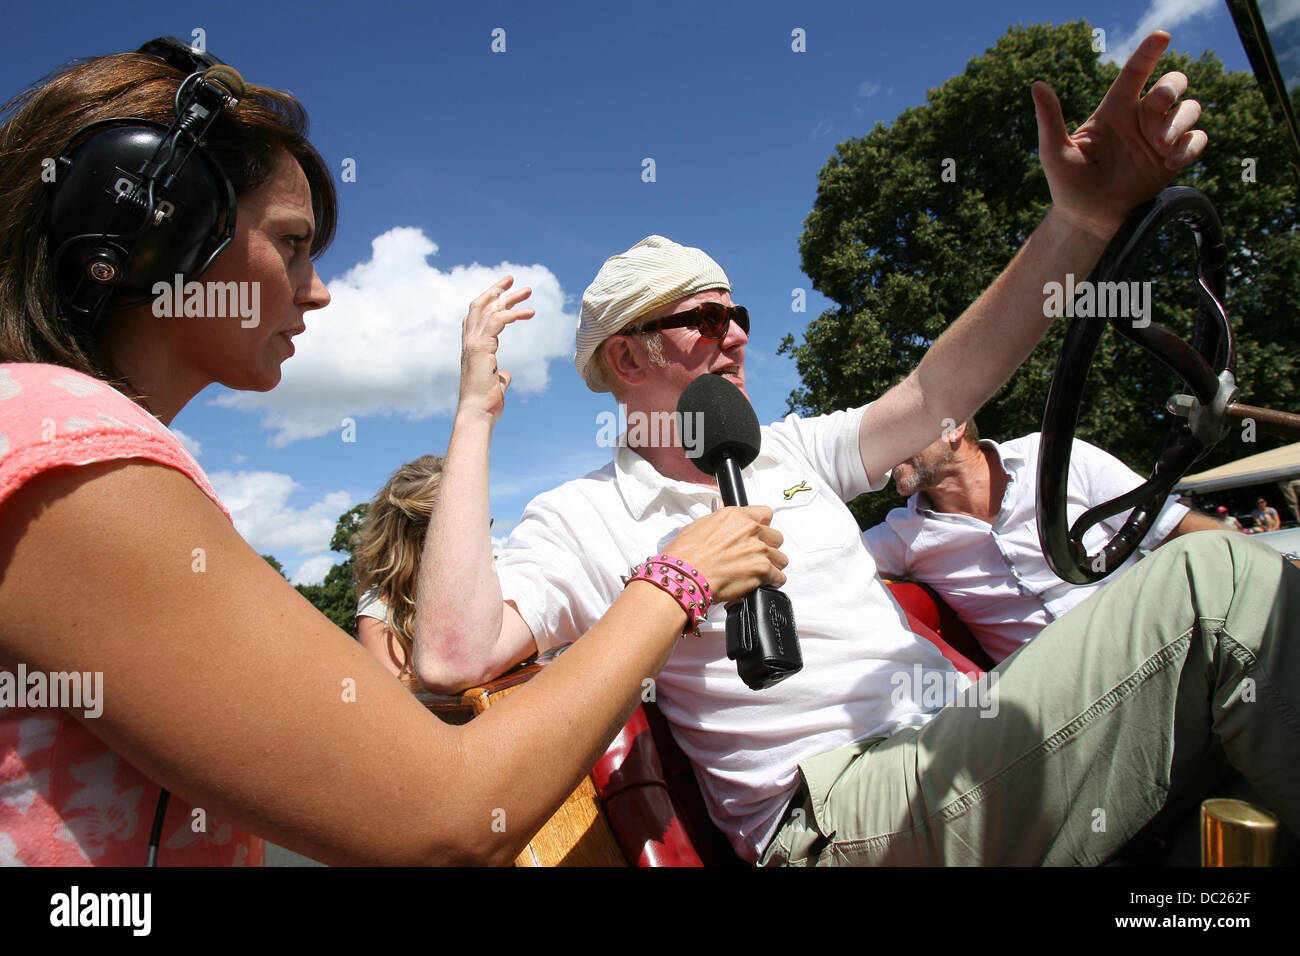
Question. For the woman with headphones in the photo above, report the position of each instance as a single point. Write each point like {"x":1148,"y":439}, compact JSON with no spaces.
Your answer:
{"x":143,"y":643}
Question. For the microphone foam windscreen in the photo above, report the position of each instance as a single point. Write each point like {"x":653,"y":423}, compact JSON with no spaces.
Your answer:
{"x":228,"y":77}
{"x":724,"y":423}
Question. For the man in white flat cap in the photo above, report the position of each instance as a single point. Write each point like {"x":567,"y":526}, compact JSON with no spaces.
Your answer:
{"x":853,"y":760}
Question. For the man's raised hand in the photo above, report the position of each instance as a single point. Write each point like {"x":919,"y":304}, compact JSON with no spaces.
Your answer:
{"x":1127,"y":151}
{"x":482,"y":384}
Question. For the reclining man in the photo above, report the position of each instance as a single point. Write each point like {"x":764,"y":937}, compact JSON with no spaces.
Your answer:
{"x":834,"y":764}
{"x":970,"y":531}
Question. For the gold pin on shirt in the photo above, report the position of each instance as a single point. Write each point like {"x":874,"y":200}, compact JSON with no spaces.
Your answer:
{"x":791,"y":492}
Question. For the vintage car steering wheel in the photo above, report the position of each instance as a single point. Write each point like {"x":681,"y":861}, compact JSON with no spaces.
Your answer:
{"x":1207,"y":368}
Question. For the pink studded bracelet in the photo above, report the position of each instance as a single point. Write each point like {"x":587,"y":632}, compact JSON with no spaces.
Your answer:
{"x":682,"y":582}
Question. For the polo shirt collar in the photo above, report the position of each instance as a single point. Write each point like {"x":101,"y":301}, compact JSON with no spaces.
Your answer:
{"x":1004,"y":455}
{"x":640,"y":484}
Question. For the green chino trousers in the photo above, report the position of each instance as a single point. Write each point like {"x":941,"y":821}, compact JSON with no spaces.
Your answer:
{"x":1190,"y":656}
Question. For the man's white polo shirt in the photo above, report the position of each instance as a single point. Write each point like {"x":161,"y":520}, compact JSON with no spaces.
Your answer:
{"x":995,"y":576}
{"x":562,"y":565}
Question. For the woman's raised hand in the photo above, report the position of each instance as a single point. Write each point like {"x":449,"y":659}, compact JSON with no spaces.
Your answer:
{"x":482,"y":384}
{"x":736,"y":549}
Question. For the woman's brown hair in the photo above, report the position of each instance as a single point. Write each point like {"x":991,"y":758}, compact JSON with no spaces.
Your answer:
{"x":38,"y":123}
{"x":391,"y":539}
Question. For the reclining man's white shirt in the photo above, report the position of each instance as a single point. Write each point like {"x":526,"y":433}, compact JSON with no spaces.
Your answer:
{"x":562,"y":567}
{"x":995,"y":576}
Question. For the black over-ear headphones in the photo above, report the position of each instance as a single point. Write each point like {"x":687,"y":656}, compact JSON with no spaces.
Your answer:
{"x":135,"y":202}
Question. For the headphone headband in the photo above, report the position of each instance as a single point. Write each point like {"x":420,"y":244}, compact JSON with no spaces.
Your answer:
{"x":180,"y":54}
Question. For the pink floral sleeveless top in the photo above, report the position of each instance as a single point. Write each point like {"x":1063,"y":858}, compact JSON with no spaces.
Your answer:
{"x":66,"y":799}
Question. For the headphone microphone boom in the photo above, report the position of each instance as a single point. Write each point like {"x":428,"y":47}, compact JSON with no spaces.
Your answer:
{"x":761,"y":634}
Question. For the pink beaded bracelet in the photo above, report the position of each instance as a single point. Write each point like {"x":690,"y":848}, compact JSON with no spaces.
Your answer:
{"x":680,"y":581}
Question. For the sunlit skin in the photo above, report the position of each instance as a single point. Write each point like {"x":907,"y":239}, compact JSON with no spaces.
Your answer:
{"x":225,"y":686}
{"x":958,"y":477}
{"x":961,"y":477}
{"x":461,"y":510}
{"x":648,"y":388}
{"x":1124,"y":153}
{"x":170,"y":360}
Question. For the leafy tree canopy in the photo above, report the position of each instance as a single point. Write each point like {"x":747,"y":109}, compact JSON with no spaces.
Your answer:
{"x":902,"y":252}
{"x":337,"y":597}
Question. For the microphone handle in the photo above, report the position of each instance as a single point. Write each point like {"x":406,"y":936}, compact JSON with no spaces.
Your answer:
{"x":732,"y":488}
{"x":730,"y":484}
{"x":761,"y":634}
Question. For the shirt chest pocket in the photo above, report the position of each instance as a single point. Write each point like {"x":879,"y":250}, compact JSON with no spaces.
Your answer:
{"x":809,"y":518}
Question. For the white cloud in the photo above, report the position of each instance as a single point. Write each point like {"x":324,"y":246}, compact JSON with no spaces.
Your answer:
{"x":259,"y":504}
{"x":389,"y":342}
{"x":313,"y":570}
{"x":1277,"y":13}
{"x":1160,"y":15}
{"x":192,"y":445}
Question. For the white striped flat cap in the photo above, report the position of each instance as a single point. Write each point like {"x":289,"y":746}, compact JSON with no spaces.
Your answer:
{"x":651,"y":274}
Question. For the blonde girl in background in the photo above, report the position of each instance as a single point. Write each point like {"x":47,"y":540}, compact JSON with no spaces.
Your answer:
{"x":387,"y":560}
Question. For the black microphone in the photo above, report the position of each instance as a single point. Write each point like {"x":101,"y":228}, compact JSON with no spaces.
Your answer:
{"x":761,"y":634}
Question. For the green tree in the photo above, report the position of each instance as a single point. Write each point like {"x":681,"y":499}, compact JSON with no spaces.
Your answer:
{"x":336,"y":598}
{"x":902,"y":252}
{"x":274,"y":562}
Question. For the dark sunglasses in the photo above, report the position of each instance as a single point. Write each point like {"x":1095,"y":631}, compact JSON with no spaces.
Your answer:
{"x":712,"y":320}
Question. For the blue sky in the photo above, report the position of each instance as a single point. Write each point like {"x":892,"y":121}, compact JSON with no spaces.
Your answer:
{"x":531,"y":160}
